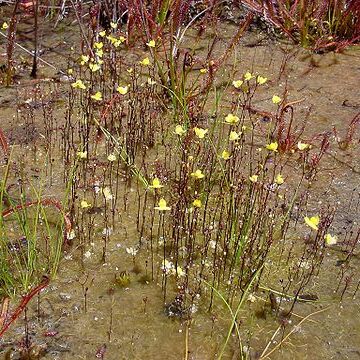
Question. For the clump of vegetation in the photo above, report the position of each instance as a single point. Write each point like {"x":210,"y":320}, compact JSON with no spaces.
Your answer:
{"x":217,"y":188}
{"x":320,"y":25}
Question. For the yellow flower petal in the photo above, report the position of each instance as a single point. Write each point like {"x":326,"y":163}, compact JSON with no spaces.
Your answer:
{"x":156,"y":184}
{"x":261,"y":80}
{"x":330,"y":240}
{"x":237,"y":83}
{"x":151,"y":43}
{"x":145,"y":62}
{"x":225,"y":155}
{"x":179,"y":130}
{"x":78,"y":84}
{"x":94,"y":67}
{"x":248,"y":76}
{"x":197,"y":203}
{"x":197,"y":174}
{"x":98,"y":45}
{"x":276,"y":99}
{"x":200,"y":133}
{"x":231,"y":119}
{"x":234,"y":136}
{"x":302,"y":146}
{"x":122,"y":90}
{"x":313,"y":222}
{"x":81,"y":154}
{"x":111,"y":157}
{"x":99,"y":52}
{"x":272,"y":146}
{"x":162,"y":205}
{"x":84,"y":204}
{"x":97,"y":96}
{"x":279,"y":179}
{"x":84,"y":59}
{"x":254,"y":178}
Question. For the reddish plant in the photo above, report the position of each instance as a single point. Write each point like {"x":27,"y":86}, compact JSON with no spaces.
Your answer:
{"x":45,"y":282}
{"x":4,"y":143}
{"x":319,"y":25}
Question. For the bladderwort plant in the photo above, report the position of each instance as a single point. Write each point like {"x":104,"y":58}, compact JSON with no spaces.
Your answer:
{"x":215,"y":208}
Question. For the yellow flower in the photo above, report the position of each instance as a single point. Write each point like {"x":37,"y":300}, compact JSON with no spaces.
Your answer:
{"x":111,"y":157}
{"x":197,"y":174}
{"x":302,"y":146}
{"x":94,"y":67}
{"x":78,"y":84}
{"x":97,"y":96}
{"x":81,"y":154}
{"x":99,"y":52}
{"x":162,"y":205}
{"x":156,"y":184}
{"x":279,"y":179}
{"x":84,"y":204}
{"x":179,"y":130}
{"x":261,"y":80}
{"x":234,"y":136}
{"x":203,"y":71}
{"x":112,"y":39}
{"x":272,"y":146}
{"x":102,"y":33}
{"x":117,"y":42}
{"x":122,"y":89}
{"x":151,"y":43}
{"x":248,"y":76}
{"x":330,"y":240}
{"x":5,"y":25}
{"x":200,"y":133}
{"x":113,"y":25}
{"x":121,"y":39}
{"x":253,"y":178}
{"x":313,"y":222}
{"x":276,"y":99}
{"x":225,"y":155}
{"x":145,"y":62}
{"x":84,"y":59}
{"x":180,"y":272}
{"x":70,"y":71}
{"x":197,"y":203}
{"x":237,"y":83}
{"x":98,"y":45}
{"x":231,"y":119}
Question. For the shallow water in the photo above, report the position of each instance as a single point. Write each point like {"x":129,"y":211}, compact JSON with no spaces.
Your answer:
{"x":85,"y":306}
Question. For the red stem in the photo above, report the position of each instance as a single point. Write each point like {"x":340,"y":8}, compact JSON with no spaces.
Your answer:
{"x":45,"y":282}
{"x":4,"y":143}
